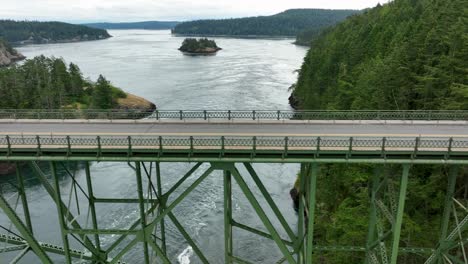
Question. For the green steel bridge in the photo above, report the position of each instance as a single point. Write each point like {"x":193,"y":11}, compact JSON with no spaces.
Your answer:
{"x":229,"y":142}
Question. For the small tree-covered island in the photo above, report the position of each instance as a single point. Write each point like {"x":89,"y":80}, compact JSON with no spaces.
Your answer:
{"x":201,"y":46}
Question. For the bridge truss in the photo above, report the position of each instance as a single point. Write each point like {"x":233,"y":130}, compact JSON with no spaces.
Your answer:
{"x":145,"y":154}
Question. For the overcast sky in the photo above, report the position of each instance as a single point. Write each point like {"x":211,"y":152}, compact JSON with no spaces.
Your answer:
{"x":140,"y":10}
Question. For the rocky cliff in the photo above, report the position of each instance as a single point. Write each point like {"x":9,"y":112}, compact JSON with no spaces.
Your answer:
{"x":8,"y":55}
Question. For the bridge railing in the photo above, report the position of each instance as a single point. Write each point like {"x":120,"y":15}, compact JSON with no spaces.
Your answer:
{"x":233,"y":115}
{"x":9,"y":143}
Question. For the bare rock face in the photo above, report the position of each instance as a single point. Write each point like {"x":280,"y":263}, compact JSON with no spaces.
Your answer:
{"x":9,"y":56}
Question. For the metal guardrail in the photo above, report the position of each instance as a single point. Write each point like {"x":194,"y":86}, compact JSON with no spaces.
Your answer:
{"x":233,"y":115}
{"x":286,"y":144}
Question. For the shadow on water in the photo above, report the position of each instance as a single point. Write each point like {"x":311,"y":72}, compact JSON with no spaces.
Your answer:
{"x":65,"y":170}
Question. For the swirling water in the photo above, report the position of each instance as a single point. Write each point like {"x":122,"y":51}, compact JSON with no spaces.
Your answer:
{"x":246,"y":74}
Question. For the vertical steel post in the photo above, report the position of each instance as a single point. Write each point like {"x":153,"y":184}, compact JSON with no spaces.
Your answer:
{"x":161,"y":207}
{"x":312,"y":191}
{"x":373,"y":212}
{"x":58,"y":198}
{"x":24,"y":200}
{"x":142,"y":210}
{"x":399,"y":216}
{"x":299,"y":245}
{"x":452,"y":180}
{"x":227,"y":217}
{"x":92,"y":206}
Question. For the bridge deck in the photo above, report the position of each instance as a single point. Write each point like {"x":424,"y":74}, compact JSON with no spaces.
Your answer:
{"x":279,"y":128}
{"x":262,"y":142}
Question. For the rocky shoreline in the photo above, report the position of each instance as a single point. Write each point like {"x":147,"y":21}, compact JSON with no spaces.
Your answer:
{"x":133,"y":102}
{"x":294,"y":102}
{"x":83,"y":38}
{"x":9,"y":56}
{"x":206,"y":51}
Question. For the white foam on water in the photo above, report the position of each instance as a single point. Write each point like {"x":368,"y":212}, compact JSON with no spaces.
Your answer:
{"x":184,"y":257}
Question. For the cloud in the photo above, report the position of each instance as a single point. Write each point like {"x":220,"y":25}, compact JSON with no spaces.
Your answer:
{"x":138,"y":10}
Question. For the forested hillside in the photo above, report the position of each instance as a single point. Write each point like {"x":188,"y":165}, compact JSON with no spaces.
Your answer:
{"x":288,"y":23}
{"x":150,"y":25}
{"x":32,"y":32}
{"x":45,"y":83}
{"x":408,"y":54}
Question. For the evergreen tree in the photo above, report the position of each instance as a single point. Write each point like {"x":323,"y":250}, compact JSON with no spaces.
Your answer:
{"x":76,"y":81}
{"x":102,"y":94}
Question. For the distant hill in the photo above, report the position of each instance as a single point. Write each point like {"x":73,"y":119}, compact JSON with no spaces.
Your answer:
{"x":32,"y":32}
{"x":287,"y":23}
{"x":155,"y":25}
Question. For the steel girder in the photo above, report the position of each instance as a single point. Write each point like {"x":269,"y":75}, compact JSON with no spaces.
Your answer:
{"x":386,"y":217}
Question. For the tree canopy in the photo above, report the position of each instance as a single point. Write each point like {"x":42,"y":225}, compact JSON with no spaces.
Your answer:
{"x":408,"y":54}
{"x":288,"y":23}
{"x":48,"y":83}
{"x":199,"y":45}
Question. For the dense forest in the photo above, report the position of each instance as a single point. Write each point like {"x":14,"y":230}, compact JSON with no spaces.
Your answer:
{"x":408,"y":54}
{"x":404,"y":55}
{"x":288,"y":23}
{"x":150,"y":25}
{"x":32,"y":32}
{"x":48,"y":83}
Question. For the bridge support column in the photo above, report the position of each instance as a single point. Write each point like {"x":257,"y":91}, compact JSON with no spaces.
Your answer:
{"x":91,"y":204}
{"x":311,"y":193}
{"x":142,"y":211}
{"x":399,"y":215}
{"x":228,"y":247}
{"x":371,"y":237}
{"x":61,"y":215}
{"x":299,"y":245}
{"x":162,"y":206}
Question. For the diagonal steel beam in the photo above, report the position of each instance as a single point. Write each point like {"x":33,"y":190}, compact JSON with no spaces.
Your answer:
{"x":270,"y":201}
{"x":131,"y":228}
{"x":184,"y":233}
{"x":399,"y":216}
{"x":24,"y":200}
{"x":69,"y":216}
{"x":20,"y":256}
{"x":261,"y":213}
{"x":182,"y":196}
{"x":24,"y":231}
{"x":182,"y":180}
